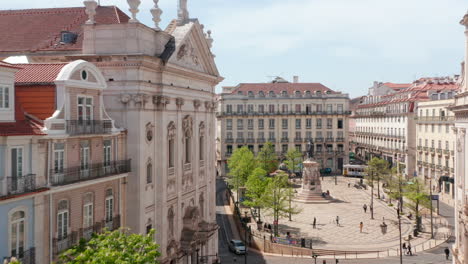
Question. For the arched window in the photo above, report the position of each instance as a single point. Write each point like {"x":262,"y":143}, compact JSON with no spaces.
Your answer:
{"x":187,"y":126}
{"x":171,"y":132}
{"x":202,"y":141}
{"x":284,"y":94}
{"x":297,"y":93}
{"x":62,"y":220}
{"x":17,"y":234}
{"x":261,"y":94}
{"x":307,"y":93}
{"x":149,"y":172}
{"x":271,"y":94}
{"x":201,"y":202}
{"x":170,"y":219}
{"x":88,"y":210}
{"x":109,"y":206}
{"x":250,"y":93}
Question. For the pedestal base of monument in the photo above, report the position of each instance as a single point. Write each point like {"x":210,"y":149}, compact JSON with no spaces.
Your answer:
{"x":310,"y":197}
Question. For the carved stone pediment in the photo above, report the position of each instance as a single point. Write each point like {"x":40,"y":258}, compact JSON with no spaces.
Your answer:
{"x":161,"y":101}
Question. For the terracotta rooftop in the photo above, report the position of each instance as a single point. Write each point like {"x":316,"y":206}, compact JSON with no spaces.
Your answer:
{"x":279,"y":87}
{"x":8,"y":65}
{"x":32,"y":30}
{"x":38,"y":73}
{"x":397,"y":85}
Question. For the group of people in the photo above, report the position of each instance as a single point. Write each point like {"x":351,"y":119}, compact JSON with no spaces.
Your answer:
{"x":364,"y":207}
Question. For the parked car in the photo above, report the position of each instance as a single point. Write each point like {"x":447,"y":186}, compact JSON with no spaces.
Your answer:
{"x":237,"y":247}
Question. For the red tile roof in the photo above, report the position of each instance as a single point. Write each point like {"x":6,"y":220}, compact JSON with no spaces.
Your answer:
{"x":397,"y":85}
{"x":290,"y":88}
{"x":23,"y":126}
{"x":38,"y":73}
{"x":33,"y":30}
{"x":37,"y":100}
{"x":8,"y":65}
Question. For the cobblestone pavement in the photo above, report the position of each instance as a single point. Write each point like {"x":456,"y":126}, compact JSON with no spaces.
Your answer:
{"x":348,"y":206}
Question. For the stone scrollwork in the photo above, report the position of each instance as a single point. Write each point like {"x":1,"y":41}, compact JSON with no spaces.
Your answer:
{"x":187,"y":125}
{"x":201,"y":129}
{"x":161,"y":101}
{"x":460,"y":139}
{"x":171,"y":131}
{"x":125,"y":98}
{"x":179,"y":102}
{"x":196,"y":104}
{"x":138,"y":99}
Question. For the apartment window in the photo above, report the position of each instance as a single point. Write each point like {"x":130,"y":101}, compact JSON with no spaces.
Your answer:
{"x":284,"y":148}
{"x":298,"y":123}
{"x":298,"y":134}
{"x":284,"y":123}
{"x":340,"y":134}
{"x":420,"y":142}
{"x":298,"y":147}
{"x":62,"y":220}
{"x":240,"y":108}
{"x":432,"y":128}
{"x":109,"y":207}
{"x":284,"y":134}
{"x":229,"y":108}
{"x":250,"y":94}
{"x":228,"y":124}
{"x":88,"y":210}
{"x":319,"y":148}
{"x":261,"y":108}
{"x":271,"y":135}
{"x":298,"y":108}
{"x":432,"y":144}
{"x":308,"y":108}
{"x":329,"y":134}
{"x":16,"y":162}
{"x":319,"y":108}
{"x":84,"y":157}
{"x":250,"y":123}
{"x":250,"y":135}
{"x":340,"y":108}
{"x":261,"y":94}
{"x":425,"y":128}
{"x":250,"y":108}
{"x":340,"y":124}
{"x":261,"y":135}
{"x":107,"y":152}
{"x":172,"y":151}
{"x":17,"y":234}
{"x":308,"y":123}
{"x":260,"y":123}
{"x":229,"y":135}
{"x":59,"y":152}
{"x":229,"y":149}
{"x":447,"y":145}
{"x":284,"y":108}
{"x":271,"y":123}
{"x":240,"y":135}
{"x":439,"y":145}
{"x":149,"y":226}
{"x":201,"y":149}
{"x":271,"y":108}
{"x":319,"y":123}
{"x":271,"y":94}
{"x":329,"y":108}
{"x":85,"y":108}
{"x":447,"y":129}
{"x":329,"y":123}
{"x":4,"y":97}
{"x":240,"y":124}
{"x":319,"y":134}
{"x":308,"y":135}
{"x":149,"y":172}
{"x":284,"y":94}
{"x":251,"y":148}
{"x":426,"y":143}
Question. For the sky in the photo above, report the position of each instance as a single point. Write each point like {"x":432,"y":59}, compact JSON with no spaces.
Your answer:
{"x":343,"y":44}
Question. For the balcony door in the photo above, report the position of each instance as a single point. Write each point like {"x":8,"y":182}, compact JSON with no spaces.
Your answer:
{"x":84,"y":159}
{"x":85,"y":113}
{"x":16,"y":168}
{"x":17,"y":235}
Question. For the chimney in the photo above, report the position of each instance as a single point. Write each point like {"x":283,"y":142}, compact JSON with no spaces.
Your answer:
{"x":295,"y":79}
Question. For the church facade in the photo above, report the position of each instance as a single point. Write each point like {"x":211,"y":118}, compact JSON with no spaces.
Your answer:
{"x":161,"y":89}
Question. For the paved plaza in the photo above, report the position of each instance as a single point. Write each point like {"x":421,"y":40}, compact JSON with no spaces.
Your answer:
{"x":348,"y":205}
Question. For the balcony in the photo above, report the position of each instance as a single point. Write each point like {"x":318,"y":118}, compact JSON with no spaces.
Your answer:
{"x":432,"y":149}
{"x":22,"y":184}
{"x":446,"y":152}
{"x":340,"y":139}
{"x":306,"y":113}
{"x":447,"y":169}
{"x":432,"y":166}
{"x":426,"y":148}
{"x":260,"y":140}
{"x":319,"y":139}
{"x":24,"y":257}
{"x":94,"y":171}
{"x":439,"y":151}
{"x":229,"y":140}
{"x":420,"y":148}
{"x":329,"y":139}
{"x":420,"y":163}
{"x":273,"y":140}
{"x":228,"y":154}
{"x":74,"y":237}
{"x":240,"y":140}
{"x":284,"y":140}
{"x":298,"y":140}
{"x":439,"y":167}
{"x":250,"y":140}
{"x":435,"y":119}
{"x":88,"y":127}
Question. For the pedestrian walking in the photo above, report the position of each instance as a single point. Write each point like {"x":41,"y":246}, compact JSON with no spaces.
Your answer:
{"x":324,"y":262}
{"x":349,"y":184}
{"x":337,"y":220}
{"x":365,"y":208}
{"x":336,"y":261}
{"x":409,"y":250}
{"x":371,"y":208}
{"x":361,"y":225}
{"x":314,"y":223}
{"x":447,"y":253}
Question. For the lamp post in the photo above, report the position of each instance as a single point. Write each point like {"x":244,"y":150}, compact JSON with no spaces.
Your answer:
{"x":430,"y":198}
{"x":314,"y":256}
{"x":399,"y":230}
{"x":372,"y":196}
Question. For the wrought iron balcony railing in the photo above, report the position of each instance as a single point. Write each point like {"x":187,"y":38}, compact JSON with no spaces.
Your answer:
{"x":22,"y":184}
{"x":329,"y":139}
{"x":340,"y":139}
{"x":24,"y":257}
{"x":93,"y":171}
{"x":446,"y":152}
{"x":250,"y":140}
{"x":240,"y":140}
{"x":298,"y":140}
{"x":88,"y":127}
{"x":284,"y":140}
{"x":260,"y":140}
{"x":319,"y":139}
{"x":229,"y":140}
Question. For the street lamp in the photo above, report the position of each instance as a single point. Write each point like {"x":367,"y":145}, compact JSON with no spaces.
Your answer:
{"x":314,"y":256}
{"x":399,"y":229}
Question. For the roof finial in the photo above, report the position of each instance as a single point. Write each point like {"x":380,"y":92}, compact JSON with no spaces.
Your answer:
{"x":209,"y":39}
{"x":90,"y":11}
{"x":156,"y":12}
{"x":182,"y":13}
{"x":133,"y":9}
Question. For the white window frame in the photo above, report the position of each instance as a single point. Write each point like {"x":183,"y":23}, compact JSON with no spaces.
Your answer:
{"x":19,"y":165}
{"x":59,"y":160}
{"x":5,"y":102}
{"x":107,"y":149}
{"x":84,"y":160}
{"x":62,"y":229}
{"x":25,"y":227}
{"x":86,"y":108}
{"x":109,"y":207}
{"x":88,"y":214}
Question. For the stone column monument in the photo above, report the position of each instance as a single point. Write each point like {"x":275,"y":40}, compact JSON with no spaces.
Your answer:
{"x":311,"y":190}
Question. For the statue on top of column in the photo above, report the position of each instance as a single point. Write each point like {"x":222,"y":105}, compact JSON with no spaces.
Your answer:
{"x":183,"y":14}
{"x":310,"y":150}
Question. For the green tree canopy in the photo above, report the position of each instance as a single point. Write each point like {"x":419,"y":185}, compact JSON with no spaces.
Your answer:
{"x":415,"y":191}
{"x":240,"y":164}
{"x":118,"y":246}
{"x":255,"y":188}
{"x":267,"y":158}
{"x":293,"y":160}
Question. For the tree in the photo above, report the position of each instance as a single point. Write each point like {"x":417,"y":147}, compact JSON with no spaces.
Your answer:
{"x":293,"y":160}
{"x":240,"y":164}
{"x":267,"y":158}
{"x":276,"y":198}
{"x":375,"y":170}
{"x":255,"y":189}
{"x":118,"y":246}
{"x":416,"y":192}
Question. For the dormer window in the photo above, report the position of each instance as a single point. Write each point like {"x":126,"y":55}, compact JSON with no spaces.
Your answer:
{"x":84,"y":75}
{"x":297,"y":93}
{"x":250,"y":93}
{"x":307,"y":93}
{"x":284,"y":94}
{"x":328,"y":92}
{"x":261,"y":94}
{"x":318,"y":93}
{"x":239,"y":93}
{"x":271,"y":94}
{"x":4,"y":97}
{"x":68,"y":37}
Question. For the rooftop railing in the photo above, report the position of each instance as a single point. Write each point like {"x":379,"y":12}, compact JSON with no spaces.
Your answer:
{"x":88,"y":127}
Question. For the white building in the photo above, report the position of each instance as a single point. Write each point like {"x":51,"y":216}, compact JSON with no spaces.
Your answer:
{"x":160,"y":87}
{"x":460,"y":108}
{"x":286,"y":114}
